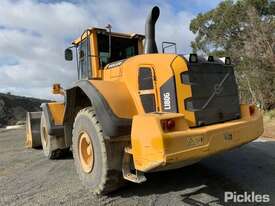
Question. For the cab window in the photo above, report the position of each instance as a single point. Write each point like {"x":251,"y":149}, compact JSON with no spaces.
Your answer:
{"x":122,"y":48}
{"x":84,"y":62}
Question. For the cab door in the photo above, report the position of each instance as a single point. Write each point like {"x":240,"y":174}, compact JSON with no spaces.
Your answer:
{"x":84,"y":63}
{"x":147,"y":89}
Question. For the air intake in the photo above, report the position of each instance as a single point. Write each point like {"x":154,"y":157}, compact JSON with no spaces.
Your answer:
{"x":150,"y":45}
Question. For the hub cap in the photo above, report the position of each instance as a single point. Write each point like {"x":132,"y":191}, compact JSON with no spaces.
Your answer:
{"x":86,"y":153}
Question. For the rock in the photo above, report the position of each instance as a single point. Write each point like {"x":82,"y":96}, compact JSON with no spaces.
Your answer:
{"x":13,"y":108}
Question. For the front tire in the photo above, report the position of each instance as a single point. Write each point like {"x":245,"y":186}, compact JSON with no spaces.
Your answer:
{"x":97,"y":162}
{"x":53,"y":147}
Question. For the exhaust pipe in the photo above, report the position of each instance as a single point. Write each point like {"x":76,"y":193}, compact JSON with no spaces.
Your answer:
{"x":150,"y":45}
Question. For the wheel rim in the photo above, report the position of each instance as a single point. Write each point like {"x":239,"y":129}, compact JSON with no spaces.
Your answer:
{"x":86,"y":153}
{"x":45,"y":136}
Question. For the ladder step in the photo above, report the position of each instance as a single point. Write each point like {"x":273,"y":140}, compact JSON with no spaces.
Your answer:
{"x":128,"y":174}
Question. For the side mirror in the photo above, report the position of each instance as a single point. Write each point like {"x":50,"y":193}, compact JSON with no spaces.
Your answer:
{"x":57,"y":89}
{"x":68,"y":54}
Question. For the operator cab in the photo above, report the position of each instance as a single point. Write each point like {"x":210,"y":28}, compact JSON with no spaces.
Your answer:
{"x":97,"y":47}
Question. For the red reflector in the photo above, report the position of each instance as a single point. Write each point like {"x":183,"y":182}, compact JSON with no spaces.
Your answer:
{"x":168,"y":124}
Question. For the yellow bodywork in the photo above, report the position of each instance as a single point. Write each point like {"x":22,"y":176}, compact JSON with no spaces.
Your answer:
{"x":57,"y":112}
{"x":127,"y":74}
{"x":117,"y":96}
{"x":153,"y":148}
{"x":183,"y":90}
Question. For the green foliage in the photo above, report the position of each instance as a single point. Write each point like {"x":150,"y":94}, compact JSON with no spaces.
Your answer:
{"x":244,"y":30}
{"x":269,"y":116}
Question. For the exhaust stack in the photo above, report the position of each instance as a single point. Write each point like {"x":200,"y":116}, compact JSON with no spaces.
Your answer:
{"x":150,"y":45}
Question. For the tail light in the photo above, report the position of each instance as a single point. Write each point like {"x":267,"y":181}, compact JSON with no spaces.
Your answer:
{"x":252,"y":110}
{"x":193,"y":58}
{"x":168,"y":124}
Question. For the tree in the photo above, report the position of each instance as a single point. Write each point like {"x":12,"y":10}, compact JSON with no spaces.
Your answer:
{"x":245,"y":31}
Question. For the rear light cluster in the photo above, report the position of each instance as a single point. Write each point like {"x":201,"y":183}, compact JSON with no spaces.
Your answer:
{"x":193,"y":58}
{"x":168,"y":124}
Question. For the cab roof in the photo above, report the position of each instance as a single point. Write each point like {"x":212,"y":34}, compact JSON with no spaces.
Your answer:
{"x":105,"y":31}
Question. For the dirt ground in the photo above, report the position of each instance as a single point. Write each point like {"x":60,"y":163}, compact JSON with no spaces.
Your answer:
{"x":269,"y":129}
{"x":27,"y":178}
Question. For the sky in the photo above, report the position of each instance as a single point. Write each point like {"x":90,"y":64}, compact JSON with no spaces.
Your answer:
{"x":35,"y":33}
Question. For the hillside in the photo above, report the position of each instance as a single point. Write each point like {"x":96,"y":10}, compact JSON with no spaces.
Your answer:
{"x":13,"y":108}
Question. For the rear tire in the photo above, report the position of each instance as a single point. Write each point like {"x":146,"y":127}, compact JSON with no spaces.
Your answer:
{"x":98,"y":162}
{"x":50,"y":149}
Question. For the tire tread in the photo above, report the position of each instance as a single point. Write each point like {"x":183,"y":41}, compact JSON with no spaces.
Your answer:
{"x":110,"y":179}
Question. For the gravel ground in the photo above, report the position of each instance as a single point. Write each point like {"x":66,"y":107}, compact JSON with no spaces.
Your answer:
{"x":27,"y":178}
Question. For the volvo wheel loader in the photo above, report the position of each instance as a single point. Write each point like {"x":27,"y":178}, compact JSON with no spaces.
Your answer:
{"x":134,"y":110}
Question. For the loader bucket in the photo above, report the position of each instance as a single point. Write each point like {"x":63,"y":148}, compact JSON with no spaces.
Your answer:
{"x":33,"y":139}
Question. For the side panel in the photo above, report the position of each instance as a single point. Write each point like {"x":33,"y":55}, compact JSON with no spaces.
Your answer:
{"x":160,"y":63}
{"x":183,"y":91}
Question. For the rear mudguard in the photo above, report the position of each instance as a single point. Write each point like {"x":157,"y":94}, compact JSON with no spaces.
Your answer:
{"x":112,"y":124}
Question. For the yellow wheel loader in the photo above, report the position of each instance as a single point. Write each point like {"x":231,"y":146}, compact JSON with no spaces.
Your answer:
{"x":134,"y":110}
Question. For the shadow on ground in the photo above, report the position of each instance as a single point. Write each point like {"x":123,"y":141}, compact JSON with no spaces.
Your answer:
{"x":249,"y":168}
